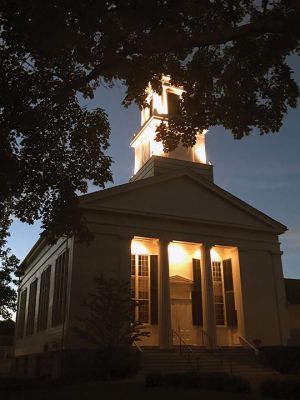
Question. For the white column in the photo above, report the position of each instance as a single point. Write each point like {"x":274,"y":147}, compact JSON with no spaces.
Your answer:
{"x":208,"y":301}
{"x":164,"y":308}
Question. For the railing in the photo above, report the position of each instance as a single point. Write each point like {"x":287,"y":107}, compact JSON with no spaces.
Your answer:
{"x":181,"y":343}
{"x":249,"y":344}
{"x":137,"y":346}
{"x":218,"y":351}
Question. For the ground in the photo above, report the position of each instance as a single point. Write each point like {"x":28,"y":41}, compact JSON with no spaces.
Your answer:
{"x":116,"y":390}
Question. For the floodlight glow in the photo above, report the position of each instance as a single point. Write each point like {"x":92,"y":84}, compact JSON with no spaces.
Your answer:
{"x":137,"y":247}
{"x":214,"y":255}
{"x":177,"y":254}
{"x":157,"y":148}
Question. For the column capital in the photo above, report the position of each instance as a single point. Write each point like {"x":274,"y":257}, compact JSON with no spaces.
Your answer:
{"x":207,"y":245}
{"x":164,"y":240}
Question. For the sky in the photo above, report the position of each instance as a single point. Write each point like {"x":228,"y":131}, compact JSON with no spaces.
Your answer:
{"x":264,"y":170}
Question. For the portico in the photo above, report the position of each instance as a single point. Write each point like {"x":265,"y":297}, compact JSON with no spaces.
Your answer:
{"x":184,"y":291}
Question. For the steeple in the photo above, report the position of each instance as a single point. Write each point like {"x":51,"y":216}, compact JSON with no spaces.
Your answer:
{"x":150,"y":158}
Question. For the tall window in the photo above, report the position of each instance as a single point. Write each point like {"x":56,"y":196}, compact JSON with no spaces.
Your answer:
{"x":60,"y":289}
{"x":140,"y":287}
{"x":44,"y":299}
{"x":21,"y":314}
{"x":173,"y":104}
{"x":218,"y":292}
{"x":31,"y":308}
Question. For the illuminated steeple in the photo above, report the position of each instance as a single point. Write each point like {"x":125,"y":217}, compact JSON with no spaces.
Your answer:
{"x":160,"y":106}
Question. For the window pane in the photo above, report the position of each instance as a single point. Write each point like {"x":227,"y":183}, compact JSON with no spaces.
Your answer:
{"x":218,"y":292}
{"x":140,"y":286}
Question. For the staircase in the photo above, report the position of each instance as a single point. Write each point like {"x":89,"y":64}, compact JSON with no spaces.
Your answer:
{"x":233,"y":360}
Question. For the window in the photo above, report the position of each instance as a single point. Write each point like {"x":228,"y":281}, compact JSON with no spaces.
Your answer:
{"x":173,"y":104}
{"x":21,"y":314}
{"x":218,"y":292}
{"x":140,"y":287}
{"x":31,"y":308}
{"x":44,"y":299}
{"x":60,"y":289}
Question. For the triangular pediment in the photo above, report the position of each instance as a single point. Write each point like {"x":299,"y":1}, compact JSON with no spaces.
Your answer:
{"x":180,"y":280}
{"x":181,"y":195}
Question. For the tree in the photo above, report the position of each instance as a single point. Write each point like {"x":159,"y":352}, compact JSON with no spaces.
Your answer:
{"x":8,"y":295}
{"x":109,"y":309}
{"x":230,"y":56}
{"x":106,"y":324}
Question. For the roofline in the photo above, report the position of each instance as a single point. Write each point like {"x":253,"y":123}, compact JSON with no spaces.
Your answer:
{"x":192,"y":175}
{"x":38,"y":246}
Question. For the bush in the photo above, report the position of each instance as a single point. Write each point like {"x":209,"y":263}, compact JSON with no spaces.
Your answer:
{"x":173,"y":380}
{"x":191,"y":380}
{"x":233,"y":383}
{"x":214,"y":380}
{"x":154,"y":380}
{"x":278,"y":389}
{"x":115,"y":363}
{"x":284,"y":359}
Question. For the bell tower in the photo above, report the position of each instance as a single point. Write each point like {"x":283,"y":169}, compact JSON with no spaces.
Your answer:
{"x":150,"y":158}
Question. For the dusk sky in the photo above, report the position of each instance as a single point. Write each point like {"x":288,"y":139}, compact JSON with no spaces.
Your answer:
{"x":264,"y":171}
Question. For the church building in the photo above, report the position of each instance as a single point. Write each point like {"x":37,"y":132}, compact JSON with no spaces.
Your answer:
{"x":206,"y":265}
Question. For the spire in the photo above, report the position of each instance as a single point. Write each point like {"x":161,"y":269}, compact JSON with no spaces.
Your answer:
{"x":159,"y":108}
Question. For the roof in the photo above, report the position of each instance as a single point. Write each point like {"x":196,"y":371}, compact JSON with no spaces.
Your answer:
{"x":153,"y":197}
{"x":292,"y":289}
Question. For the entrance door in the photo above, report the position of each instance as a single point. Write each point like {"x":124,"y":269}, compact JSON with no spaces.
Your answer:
{"x":181,"y":311}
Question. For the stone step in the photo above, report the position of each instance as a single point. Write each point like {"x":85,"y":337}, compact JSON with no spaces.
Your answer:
{"x":228,"y":359}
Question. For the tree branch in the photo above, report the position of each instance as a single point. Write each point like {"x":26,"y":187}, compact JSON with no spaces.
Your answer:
{"x":289,"y":24}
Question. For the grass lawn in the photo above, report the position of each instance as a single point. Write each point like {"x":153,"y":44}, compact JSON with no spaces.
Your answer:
{"x":118,"y":390}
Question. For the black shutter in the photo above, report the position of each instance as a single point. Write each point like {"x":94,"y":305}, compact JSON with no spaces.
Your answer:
{"x":154,"y":289}
{"x":197,"y":312}
{"x":231,"y":315}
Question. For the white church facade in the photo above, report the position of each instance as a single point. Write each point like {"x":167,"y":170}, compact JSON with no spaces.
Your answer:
{"x":206,"y":265}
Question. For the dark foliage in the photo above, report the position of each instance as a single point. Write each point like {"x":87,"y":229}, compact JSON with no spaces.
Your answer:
{"x":117,"y":363}
{"x":230,"y":56}
{"x":8,"y":294}
{"x":233,"y":383}
{"x":191,"y":380}
{"x":217,"y":381}
{"x":278,"y":389}
{"x":285,"y":359}
{"x":107,"y":326}
{"x":214,"y":380}
{"x":154,"y":380}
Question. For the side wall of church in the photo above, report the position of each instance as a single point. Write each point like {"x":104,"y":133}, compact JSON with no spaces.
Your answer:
{"x":34,"y":349}
{"x":106,"y":255}
{"x":263,"y":297}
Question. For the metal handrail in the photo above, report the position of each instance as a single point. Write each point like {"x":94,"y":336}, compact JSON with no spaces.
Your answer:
{"x":137,"y":346}
{"x":219,"y":348}
{"x":249,"y":344}
{"x":181,"y":340}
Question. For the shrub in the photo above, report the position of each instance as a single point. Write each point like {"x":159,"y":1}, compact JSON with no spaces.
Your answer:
{"x":191,"y":380}
{"x":173,"y":380}
{"x":153,"y":380}
{"x":278,"y":389}
{"x":214,"y":380}
{"x":282,"y":358}
{"x":233,"y":383}
{"x":121,"y":362}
